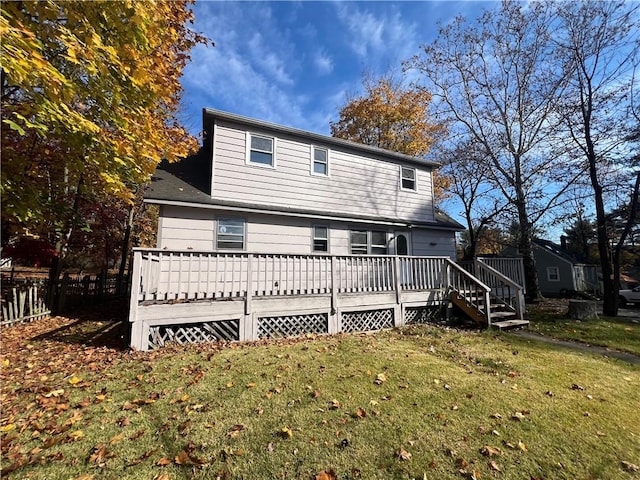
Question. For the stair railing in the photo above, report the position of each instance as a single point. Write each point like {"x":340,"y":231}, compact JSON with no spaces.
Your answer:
{"x":472,"y":289}
{"x":502,"y":287}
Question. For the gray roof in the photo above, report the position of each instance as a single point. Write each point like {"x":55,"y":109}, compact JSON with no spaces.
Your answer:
{"x":166,"y":188}
{"x":210,"y":113}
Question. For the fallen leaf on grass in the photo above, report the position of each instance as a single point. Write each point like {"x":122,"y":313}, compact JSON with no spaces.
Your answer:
{"x":327,"y":475}
{"x":86,"y":476}
{"x":522,"y":446}
{"x":575,"y":386}
{"x":335,"y":404}
{"x":116,"y":439}
{"x":163,"y":462}
{"x":360,"y":413}
{"x":75,"y":380}
{"x":630,"y":467}
{"x":490,"y":451}
{"x":286,"y":432}
{"x":162,"y":476}
{"x":380,"y":379}
{"x":402,"y":454}
{"x":7,"y":428}
{"x":494,"y":466}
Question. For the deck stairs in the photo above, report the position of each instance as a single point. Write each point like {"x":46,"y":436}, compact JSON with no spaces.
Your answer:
{"x":495,"y":301}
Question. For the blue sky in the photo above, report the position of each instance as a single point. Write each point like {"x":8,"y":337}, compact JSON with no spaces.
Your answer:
{"x":292,"y":63}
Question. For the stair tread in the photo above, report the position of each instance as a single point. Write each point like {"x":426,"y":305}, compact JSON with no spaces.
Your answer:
{"x":505,"y":324}
{"x":503,"y":314}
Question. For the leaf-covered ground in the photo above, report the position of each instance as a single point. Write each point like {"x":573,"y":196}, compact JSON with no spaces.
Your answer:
{"x":421,"y":402}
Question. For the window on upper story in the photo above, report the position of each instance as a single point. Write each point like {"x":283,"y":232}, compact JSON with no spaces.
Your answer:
{"x":553,"y":274}
{"x":320,"y":158}
{"x":320,"y":239}
{"x":368,"y":242}
{"x":231,"y":234}
{"x":408,"y":178}
{"x":260,"y":150}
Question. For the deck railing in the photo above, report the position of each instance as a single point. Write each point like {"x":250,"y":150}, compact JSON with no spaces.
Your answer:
{"x":504,"y":289}
{"x":192,"y":275}
{"x":512,"y":268}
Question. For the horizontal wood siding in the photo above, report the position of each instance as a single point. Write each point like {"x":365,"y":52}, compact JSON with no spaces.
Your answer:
{"x":356,"y":185}
{"x":186,"y":228}
{"x":445,"y":243}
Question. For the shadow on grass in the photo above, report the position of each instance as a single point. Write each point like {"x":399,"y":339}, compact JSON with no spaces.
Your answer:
{"x":103,"y":325}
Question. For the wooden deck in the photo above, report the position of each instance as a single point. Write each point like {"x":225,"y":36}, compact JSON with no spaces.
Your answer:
{"x":190,"y":296}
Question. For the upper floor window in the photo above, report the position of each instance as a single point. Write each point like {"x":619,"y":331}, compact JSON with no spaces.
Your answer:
{"x":408,"y":178}
{"x":231,"y":234}
{"x":260,"y":150}
{"x":553,"y":274}
{"x":368,"y":243}
{"x":320,"y":239}
{"x":320,"y":158}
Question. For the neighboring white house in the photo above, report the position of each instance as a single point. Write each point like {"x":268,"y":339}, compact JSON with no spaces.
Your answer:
{"x":265,"y":188}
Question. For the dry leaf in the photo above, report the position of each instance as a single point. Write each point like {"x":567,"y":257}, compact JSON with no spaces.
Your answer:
{"x":402,"y":454}
{"x":183,"y":458}
{"x":494,"y":466}
{"x":361,"y":413}
{"x":327,"y":475}
{"x":335,"y":404}
{"x":630,"y":467}
{"x":163,"y":462}
{"x":116,"y":439}
{"x":286,"y":432}
{"x":380,"y":379}
{"x":490,"y":451}
{"x":522,"y":446}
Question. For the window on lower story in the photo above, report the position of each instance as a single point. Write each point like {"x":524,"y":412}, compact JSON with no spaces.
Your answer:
{"x":408,"y":178}
{"x":553,"y":274}
{"x":368,"y":242}
{"x":260,"y":151}
{"x":378,"y":243}
{"x":320,"y":239}
{"x":320,"y":161}
{"x":231,"y":234}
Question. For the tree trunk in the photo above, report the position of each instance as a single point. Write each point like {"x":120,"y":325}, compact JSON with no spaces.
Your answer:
{"x":526,"y":247}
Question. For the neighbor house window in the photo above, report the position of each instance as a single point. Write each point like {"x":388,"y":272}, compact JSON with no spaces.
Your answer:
{"x":320,"y":239}
{"x":231,"y":234}
{"x":320,"y":161}
{"x":260,"y":150}
{"x":368,"y":243}
{"x":553,"y":274}
{"x":408,"y":178}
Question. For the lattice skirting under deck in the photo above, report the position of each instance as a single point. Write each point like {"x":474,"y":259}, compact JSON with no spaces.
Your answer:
{"x":292,"y":325}
{"x":367,"y":320}
{"x":194,"y":333}
{"x":413,"y":315}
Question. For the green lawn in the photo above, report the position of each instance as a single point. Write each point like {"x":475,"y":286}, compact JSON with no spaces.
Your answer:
{"x":420,"y":403}
{"x":621,"y":333}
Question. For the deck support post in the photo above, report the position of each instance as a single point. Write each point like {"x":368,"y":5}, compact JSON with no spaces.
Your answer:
{"x":136,"y":327}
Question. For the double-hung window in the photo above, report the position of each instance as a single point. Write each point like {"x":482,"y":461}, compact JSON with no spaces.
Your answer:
{"x":359,"y":242}
{"x":231,"y":234}
{"x":408,"y":178}
{"x":260,"y":150}
{"x":553,"y":274}
{"x":368,"y":242}
{"x":320,"y":239}
{"x":320,"y":158}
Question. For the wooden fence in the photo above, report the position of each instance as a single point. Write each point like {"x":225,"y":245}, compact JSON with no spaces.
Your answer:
{"x":29,"y":299}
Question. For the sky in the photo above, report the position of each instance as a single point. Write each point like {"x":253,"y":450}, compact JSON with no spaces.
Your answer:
{"x":293,"y":63}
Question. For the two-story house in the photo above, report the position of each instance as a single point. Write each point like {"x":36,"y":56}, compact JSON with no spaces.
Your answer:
{"x":271,"y":231}
{"x":260,"y":187}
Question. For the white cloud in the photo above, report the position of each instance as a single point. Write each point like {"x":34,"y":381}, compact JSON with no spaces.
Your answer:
{"x":323,"y":63}
{"x":380,"y":35}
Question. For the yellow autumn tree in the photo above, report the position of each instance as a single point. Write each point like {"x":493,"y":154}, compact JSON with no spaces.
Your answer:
{"x":90,"y":94}
{"x":392,"y":117}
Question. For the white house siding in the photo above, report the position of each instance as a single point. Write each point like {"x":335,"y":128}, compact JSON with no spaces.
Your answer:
{"x":356,"y":185}
{"x":433,"y":243}
{"x":186,"y":228}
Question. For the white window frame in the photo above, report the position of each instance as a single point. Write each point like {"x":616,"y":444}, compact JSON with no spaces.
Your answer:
{"x":244,"y":233}
{"x":313,"y":161}
{"x":248,"y":161}
{"x":414,"y":179}
{"x":314,"y":237}
{"x":370,"y":246}
{"x":553,"y":272}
